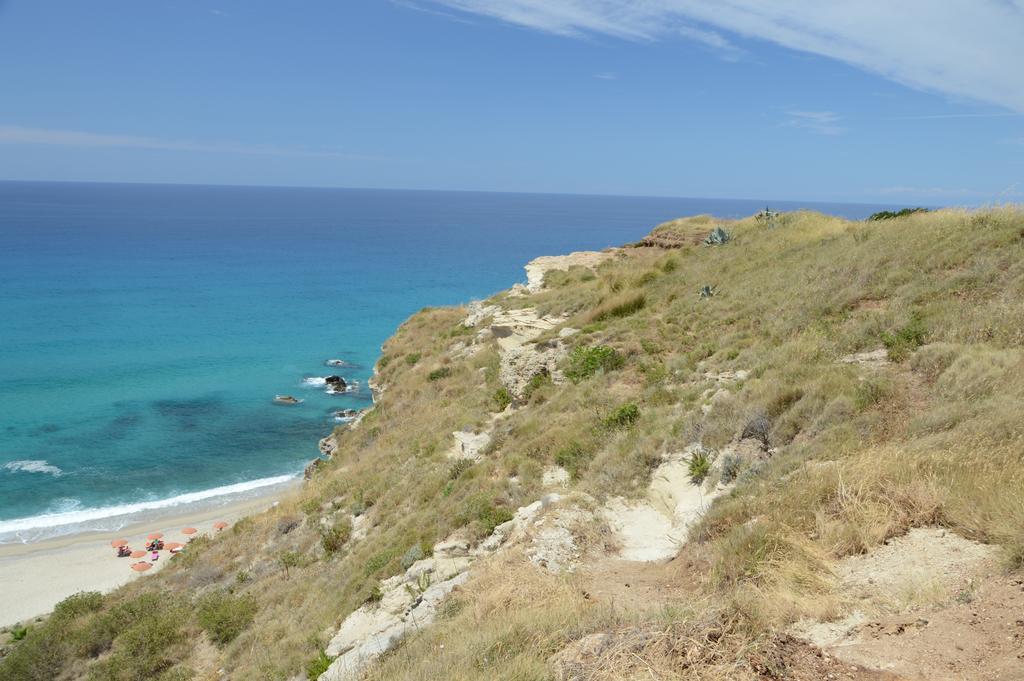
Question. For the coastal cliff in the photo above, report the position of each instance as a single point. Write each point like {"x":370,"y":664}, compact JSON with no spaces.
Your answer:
{"x":789,"y":449}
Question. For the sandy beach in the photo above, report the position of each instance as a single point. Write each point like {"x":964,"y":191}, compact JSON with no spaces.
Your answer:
{"x":34,"y":577}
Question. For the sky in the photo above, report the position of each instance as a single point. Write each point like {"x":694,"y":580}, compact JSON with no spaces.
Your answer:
{"x":890,"y":101}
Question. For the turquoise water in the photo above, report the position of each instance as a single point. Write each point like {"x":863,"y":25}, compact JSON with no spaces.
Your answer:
{"x":144,"y":330}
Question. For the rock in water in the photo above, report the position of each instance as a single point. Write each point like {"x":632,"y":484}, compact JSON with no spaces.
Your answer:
{"x":336,"y":363}
{"x":286,"y":399}
{"x":335,"y":382}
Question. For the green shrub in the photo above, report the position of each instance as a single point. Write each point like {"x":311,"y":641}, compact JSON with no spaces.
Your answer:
{"x":670,"y":265}
{"x":870,"y":392}
{"x":223,"y":616}
{"x":501,"y":398}
{"x":584,"y":361}
{"x":412,"y":358}
{"x":889,"y":215}
{"x":438,"y":374}
{"x":479,"y":507}
{"x":573,"y":458}
{"x":717,"y":237}
{"x":623,"y":308}
{"x":378,"y":561}
{"x":414,"y":554}
{"x":623,"y":417}
{"x":288,"y":560}
{"x":732,"y":466}
{"x":536,"y":383}
{"x":906,"y":339}
{"x":19,"y":632}
{"x":699,"y":466}
{"x":318,"y":666}
{"x":79,"y":604}
{"x":146,"y":645}
{"x":336,"y":536}
{"x":646,"y":278}
{"x":458,"y":467}
{"x":383,"y":362}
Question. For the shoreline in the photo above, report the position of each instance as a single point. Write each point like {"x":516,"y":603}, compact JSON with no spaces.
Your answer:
{"x":35,"y":576}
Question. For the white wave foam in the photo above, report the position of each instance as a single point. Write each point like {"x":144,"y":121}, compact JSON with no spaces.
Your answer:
{"x":90,"y":515}
{"x":315,"y":381}
{"x":33,"y":466}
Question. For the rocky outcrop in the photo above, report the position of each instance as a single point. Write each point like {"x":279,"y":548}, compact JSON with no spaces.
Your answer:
{"x":286,"y":400}
{"x":469,"y":445}
{"x":654,"y":527}
{"x":335,"y":382}
{"x":538,"y":267}
{"x":409,"y":601}
{"x":328,"y":445}
{"x":872,"y":359}
{"x":521,"y":358}
{"x":311,"y":468}
{"x":478,"y":312}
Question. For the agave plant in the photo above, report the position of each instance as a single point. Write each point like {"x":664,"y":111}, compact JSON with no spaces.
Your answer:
{"x":707,"y":291}
{"x":717,"y":237}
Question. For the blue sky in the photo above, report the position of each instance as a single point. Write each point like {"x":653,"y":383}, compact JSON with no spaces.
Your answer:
{"x":901,"y":101}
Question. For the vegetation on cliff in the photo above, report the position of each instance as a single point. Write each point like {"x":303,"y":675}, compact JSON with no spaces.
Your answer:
{"x":857,"y":449}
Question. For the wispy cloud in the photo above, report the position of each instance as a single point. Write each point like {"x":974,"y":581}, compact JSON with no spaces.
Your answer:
{"x":935,"y":117}
{"x":607,"y":75}
{"x":13,"y":134}
{"x":817,"y":122}
{"x":943,"y":192}
{"x":964,"y":48}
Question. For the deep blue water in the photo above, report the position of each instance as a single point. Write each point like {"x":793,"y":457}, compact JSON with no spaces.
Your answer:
{"x":145,"y":329}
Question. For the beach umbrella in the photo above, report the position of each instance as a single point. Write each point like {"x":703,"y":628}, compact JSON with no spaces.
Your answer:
{"x":155,"y":535}
{"x":138,"y":554}
{"x":189,"y":530}
{"x":219,"y":525}
{"x":141,"y":566}
{"x":118,"y":543}
{"x":170,"y":546}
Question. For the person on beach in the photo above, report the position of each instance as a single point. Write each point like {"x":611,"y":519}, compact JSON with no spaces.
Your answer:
{"x":156,"y":556}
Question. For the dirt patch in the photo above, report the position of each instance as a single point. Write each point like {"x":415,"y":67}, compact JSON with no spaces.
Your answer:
{"x":980,"y":637}
{"x":924,"y":566}
{"x":927,"y":606}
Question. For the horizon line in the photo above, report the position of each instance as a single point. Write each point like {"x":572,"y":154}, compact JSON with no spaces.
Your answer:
{"x":458,"y":191}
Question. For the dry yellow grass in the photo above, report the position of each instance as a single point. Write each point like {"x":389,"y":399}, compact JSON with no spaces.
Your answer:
{"x":862,"y":452}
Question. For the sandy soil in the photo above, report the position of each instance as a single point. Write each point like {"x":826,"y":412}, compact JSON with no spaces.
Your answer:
{"x":35,"y":577}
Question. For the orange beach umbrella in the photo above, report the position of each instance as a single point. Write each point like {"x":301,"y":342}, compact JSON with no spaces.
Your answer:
{"x":170,"y":546}
{"x":118,"y":543}
{"x":138,"y":554}
{"x":141,"y":566}
{"x":189,"y":530}
{"x":155,"y":535}
{"x":219,"y":525}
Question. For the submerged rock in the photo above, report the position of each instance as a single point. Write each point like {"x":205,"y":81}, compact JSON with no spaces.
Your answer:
{"x":286,"y":399}
{"x":336,"y":363}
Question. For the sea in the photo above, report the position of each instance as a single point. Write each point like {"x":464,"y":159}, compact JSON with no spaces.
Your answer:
{"x":146,"y":329}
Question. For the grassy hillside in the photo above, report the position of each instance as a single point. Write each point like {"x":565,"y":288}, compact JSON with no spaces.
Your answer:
{"x":932,"y":437}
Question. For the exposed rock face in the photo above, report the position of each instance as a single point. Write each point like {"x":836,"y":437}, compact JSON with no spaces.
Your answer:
{"x":538,"y":267}
{"x":654,"y":528}
{"x":873,"y":359}
{"x":311,"y":468}
{"x":469,"y":445}
{"x":521,"y":359}
{"x":478,"y":312}
{"x":328,"y":445}
{"x":409,"y":601}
